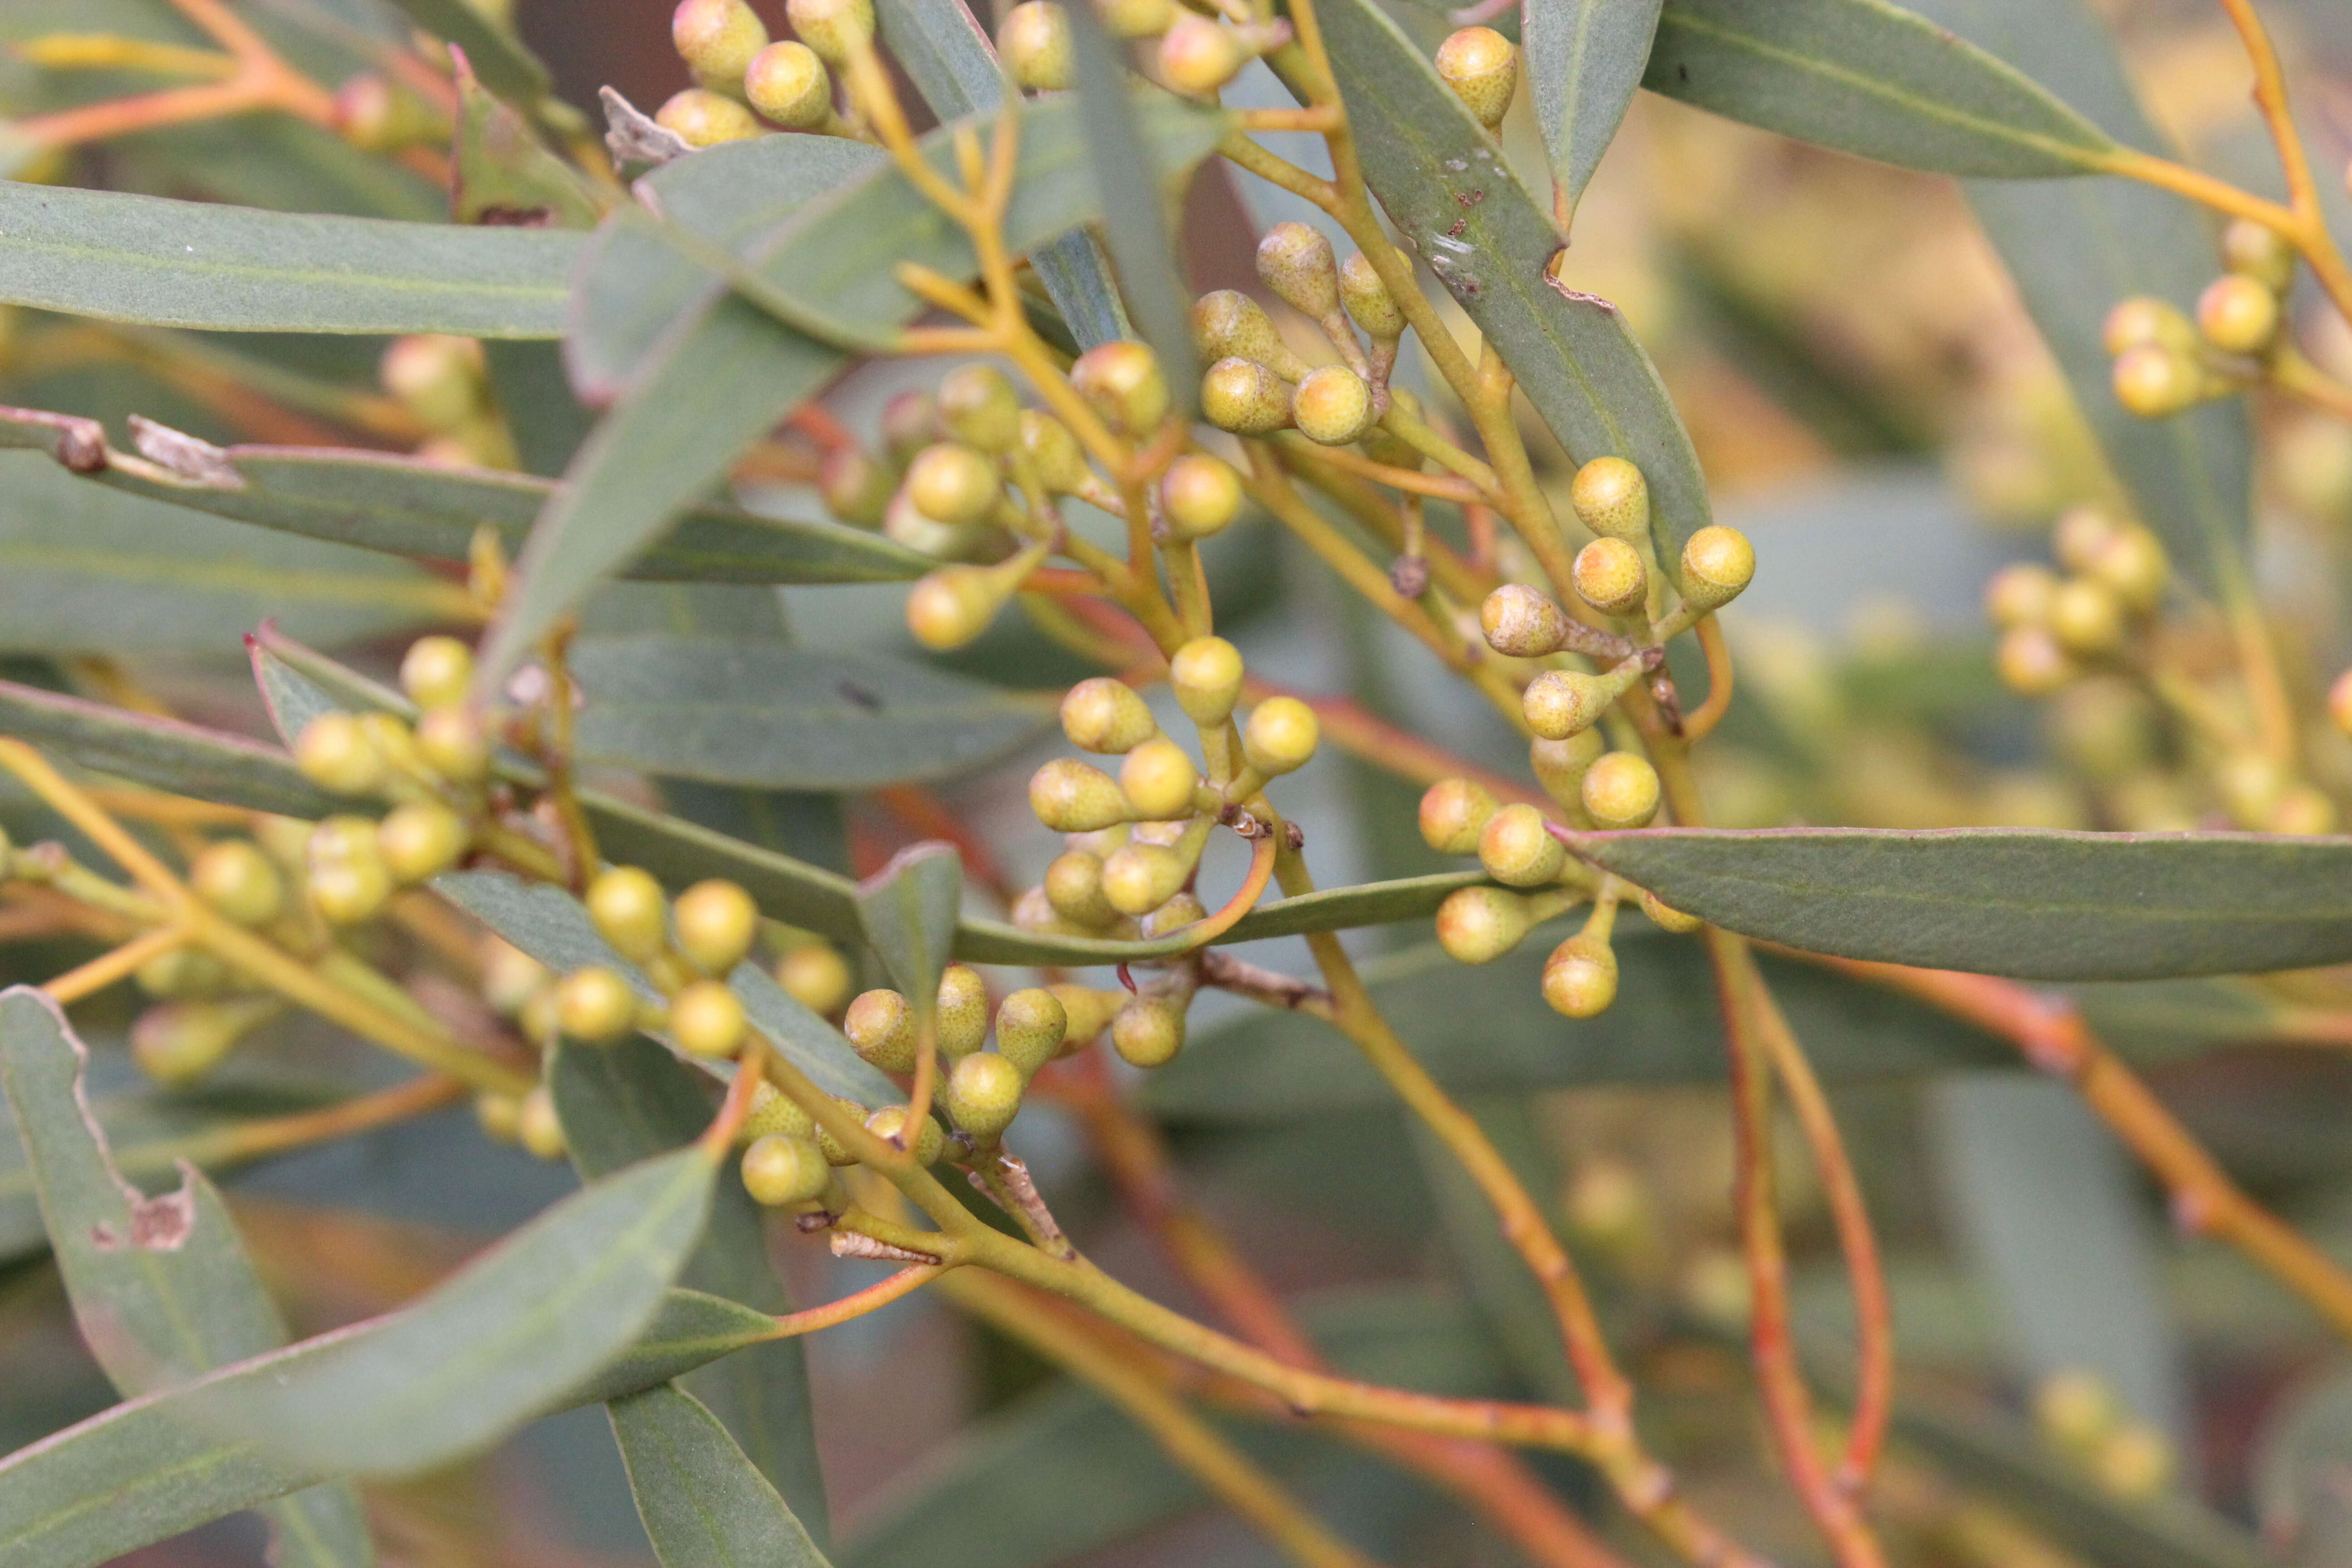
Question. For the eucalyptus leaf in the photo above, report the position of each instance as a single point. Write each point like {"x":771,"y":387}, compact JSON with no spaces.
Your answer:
{"x":153,"y":1466}
{"x":1584,"y":63}
{"x":506,"y":67}
{"x":722,"y":375}
{"x":400,"y":506}
{"x":495,"y":1345}
{"x":1444,"y":183}
{"x":162,"y":1288}
{"x":703,"y":1503}
{"x":908,"y":910}
{"x":168,"y":263}
{"x":764,"y":714}
{"x":504,"y":174}
{"x":1872,"y":78}
{"x":2035,"y":903}
{"x":165,"y":752}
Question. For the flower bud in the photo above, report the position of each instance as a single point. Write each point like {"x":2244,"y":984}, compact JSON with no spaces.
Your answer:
{"x":2303,"y":810}
{"x":1621,"y":790}
{"x":977,"y":405}
{"x":537,"y":1124}
{"x":833,"y":29}
{"x":629,"y":910}
{"x":2031,"y":662}
{"x":420,"y":839}
{"x":1229,"y":324}
{"x":706,"y":1019}
{"x":185,"y":972}
{"x":375,"y":115}
{"x":815,"y":975}
{"x":2144,"y":320}
{"x":236,"y":879}
{"x":832,"y":1148}
{"x":1522,"y":623}
{"x":2086,"y":618}
{"x":1559,"y":765}
{"x":1333,"y":406}
{"x":347,"y":879}
{"x":1563,"y":702}
{"x":778,"y":1170}
{"x":500,"y":1116}
{"x":1074,"y":886}
{"x":1718,"y":564}
{"x":179,"y":1042}
{"x":1612,"y":499}
{"x":1665,"y":917}
{"x":1148,"y":1031}
{"x":855,"y":487}
{"x":1453,"y":814}
{"x":1140,"y":877}
{"x":1071,"y":797}
{"x":1483,"y":68}
{"x":982,"y":1095}
{"x":2339,"y":703}
{"x":881,"y":1026}
{"x":1136,"y":19}
{"x":911,"y":422}
{"x":889,"y":1124}
{"x":1177,"y":912}
{"x":451,"y":742}
{"x":954,"y":605}
{"x":1608,"y":575}
{"x":1105,"y":715}
{"x":1579,"y":978}
{"x":2238,"y":314}
{"x":1158,"y":780}
{"x":787,"y":83}
{"x":1206,"y":674}
{"x":1294,"y":261}
{"x":774,"y":1115}
{"x":1517,"y":849}
{"x":2018,"y":595}
{"x":1281,"y":736}
{"x":2257,"y":251}
{"x":1030,"y":1025}
{"x":2154,"y":382}
{"x":715,"y":921}
{"x":1036,"y":43}
{"x":961,"y":1020}
{"x":717,"y":38}
{"x":1087,"y":1011}
{"x":1244,"y":397}
{"x":436,"y":671}
{"x":705,"y":119}
{"x":2079,"y":534}
{"x":1047,"y":443}
{"x":438,"y":377}
{"x":2132,"y":566}
{"x":2135,"y":1464}
{"x":1198,"y":495}
{"x":334,"y":753}
{"x":1479,"y":925}
{"x":1122,"y":382}
{"x":950,"y":483}
{"x":511,"y":977}
{"x":595,"y":1005}
{"x":1198,"y":55}
{"x":1368,"y":298}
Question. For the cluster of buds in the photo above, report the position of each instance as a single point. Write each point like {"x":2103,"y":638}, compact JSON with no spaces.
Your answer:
{"x":444,"y":383}
{"x":737,"y":71}
{"x":2053,"y":628}
{"x":2164,"y":362}
{"x":1256,"y":386}
{"x":2075,"y":1414}
{"x":980,"y":1089}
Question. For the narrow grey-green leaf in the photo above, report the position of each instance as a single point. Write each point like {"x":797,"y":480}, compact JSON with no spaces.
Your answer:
{"x":165,"y":752}
{"x":506,"y":67}
{"x":703,"y":1503}
{"x":1585,"y":62}
{"x":635,"y":1099}
{"x":383,"y":502}
{"x":765,"y":714}
{"x":1445,"y":185}
{"x":1871,"y":79}
{"x":909,"y":910}
{"x":1130,"y":186}
{"x":2074,"y":248}
{"x":722,"y":375}
{"x":2035,"y":903}
{"x":195,"y":264}
{"x":941,"y":48}
{"x":86,"y":569}
{"x":147,"y":1469}
{"x":162,"y":1288}
{"x":498,"y":1343}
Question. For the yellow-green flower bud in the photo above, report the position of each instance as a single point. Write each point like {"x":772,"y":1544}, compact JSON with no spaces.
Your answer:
{"x":2238,"y":314}
{"x":1559,"y":765}
{"x":183,"y":972}
{"x":439,"y":378}
{"x":451,"y":742}
{"x":2154,"y":382}
{"x":977,"y":405}
{"x":889,"y":1124}
{"x":2132,"y":565}
{"x":1229,"y":324}
{"x":347,"y":879}
{"x":420,"y":839}
{"x":717,"y":38}
{"x":595,"y":1007}
{"x":2259,"y":252}
{"x":715,"y":921}
{"x":1036,"y":43}
{"x":953,"y":606}
{"x":962,"y":1023}
{"x":511,"y":977}
{"x":1332,"y":406}
{"x":1122,"y":382}
{"x":950,"y":483}
{"x":1454,"y":812}
{"x":1517,"y":849}
{"x":500,"y":1116}
{"x":881,"y":1025}
{"x":1483,"y":68}
{"x":835,"y":1151}
{"x":1718,"y":564}
{"x":335,"y":753}
{"x":1137,"y":19}
{"x":630,"y":912}
{"x":1281,"y":736}
{"x":236,"y":879}
{"x":775,"y":1115}
{"x":1177,"y":912}
{"x":911,"y":422}
{"x":1244,"y":397}
{"x":1087,"y":1011}
{"x":855,"y":487}
{"x":789,"y":84}
{"x":1074,"y":886}
{"x":1102,"y":714}
{"x":1294,"y":261}
{"x":1608,"y":575}
{"x":1479,"y":925}
{"x":436,"y":670}
{"x":2031,"y":662}
{"x":1206,"y":674}
{"x":1579,"y":978}
{"x":833,"y":29}
{"x":2339,"y":703}
{"x":778,"y":1170}
{"x":1559,"y":703}
{"x":1158,"y":780}
{"x":1148,"y":1031}
{"x":179,"y":1042}
{"x":815,"y":975}
{"x":1030,"y":1025}
{"x":1197,"y":55}
{"x":537,"y":1126}
{"x":1368,"y":298}
{"x":706,"y":1019}
{"x":1522,"y":623}
{"x":705,"y":119}
{"x":1199,"y":495}
{"x":2143,"y":320}
{"x":1612,"y":499}
{"x":982,"y":1095}
{"x":1621,"y":790}
{"x":2018,"y":595}
{"x":2079,"y":534}
{"x":1070,"y":797}
{"x":1140,"y":877}
{"x":2086,"y":618}
{"x":1060,"y":462}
